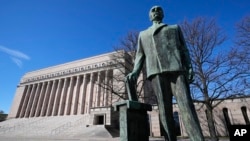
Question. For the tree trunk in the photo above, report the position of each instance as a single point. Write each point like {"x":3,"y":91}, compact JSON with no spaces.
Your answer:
{"x":211,"y":124}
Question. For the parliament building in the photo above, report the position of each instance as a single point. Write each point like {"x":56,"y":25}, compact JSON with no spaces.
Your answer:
{"x":75,"y":99}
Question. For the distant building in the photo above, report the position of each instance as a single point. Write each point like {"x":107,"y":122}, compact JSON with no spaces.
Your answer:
{"x":79,"y":89}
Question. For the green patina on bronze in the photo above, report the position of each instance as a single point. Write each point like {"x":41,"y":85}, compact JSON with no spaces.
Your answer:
{"x":163,"y":49}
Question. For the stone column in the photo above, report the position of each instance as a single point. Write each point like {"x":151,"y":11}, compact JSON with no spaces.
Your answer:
{"x":83,"y":94}
{"x":80,"y":95}
{"x":99,"y":88}
{"x":37,"y":95}
{"x":32,"y":94}
{"x":25,"y":103}
{"x":110,"y":83}
{"x":75,"y":103}
{"x":45,"y":102}
{"x":106,"y":93}
{"x":90,"y":97}
{"x":41,"y":99}
{"x":86,"y":100}
{"x":22,"y":102}
{"x":69,"y":96}
{"x":63,"y":96}
{"x":57,"y":98}
{"x":103,"y":89}
{"x":95,"y":93}
{"x":52,"y":98}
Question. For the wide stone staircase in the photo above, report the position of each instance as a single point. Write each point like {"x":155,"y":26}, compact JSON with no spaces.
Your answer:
{"x":73,"y":126}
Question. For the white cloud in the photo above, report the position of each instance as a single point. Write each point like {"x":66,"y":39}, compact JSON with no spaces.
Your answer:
{"x":17,"y":61}
{"x":15,"y":55}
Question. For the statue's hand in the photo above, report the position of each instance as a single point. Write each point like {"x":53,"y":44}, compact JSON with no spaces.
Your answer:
{"x":131,"y":80}
{"x":132,"y":77}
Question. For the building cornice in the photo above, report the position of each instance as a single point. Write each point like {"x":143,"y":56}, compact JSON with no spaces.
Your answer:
{"x":74,"y":70}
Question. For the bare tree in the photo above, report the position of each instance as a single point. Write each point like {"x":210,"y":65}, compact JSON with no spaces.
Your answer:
{"x":243,"y":33}
{"x":242,"y":47}
{"x":126,"y":49}
{"x":216,"y":73}
{"x":123,"y":58}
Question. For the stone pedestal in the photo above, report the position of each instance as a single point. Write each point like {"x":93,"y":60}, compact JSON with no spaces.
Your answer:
{"x":134,"y":122}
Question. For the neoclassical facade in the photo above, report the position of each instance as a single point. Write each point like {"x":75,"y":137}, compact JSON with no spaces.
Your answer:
{"x":67,"y":89}
{"x":84,"y":88}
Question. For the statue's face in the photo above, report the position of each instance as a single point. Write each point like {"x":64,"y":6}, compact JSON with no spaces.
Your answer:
{"x":156,"y":13}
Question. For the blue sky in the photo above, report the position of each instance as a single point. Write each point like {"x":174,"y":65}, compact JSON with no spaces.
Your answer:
{"x":35,"y":34}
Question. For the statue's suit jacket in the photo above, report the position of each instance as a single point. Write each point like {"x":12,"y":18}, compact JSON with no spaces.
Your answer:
{"x":163,"y":49}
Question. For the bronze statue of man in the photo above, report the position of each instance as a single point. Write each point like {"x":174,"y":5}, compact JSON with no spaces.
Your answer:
{"x":162,"y":47}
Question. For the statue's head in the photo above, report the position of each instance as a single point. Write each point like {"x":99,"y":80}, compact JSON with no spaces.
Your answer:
{"x":156,"y":14}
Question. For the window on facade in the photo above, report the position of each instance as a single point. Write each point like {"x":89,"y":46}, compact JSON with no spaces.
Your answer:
{"x":244,"y":113}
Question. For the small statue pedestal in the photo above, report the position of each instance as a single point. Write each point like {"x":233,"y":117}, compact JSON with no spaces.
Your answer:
{"x":134,"y":122}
